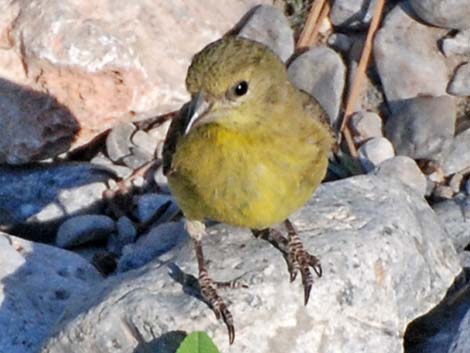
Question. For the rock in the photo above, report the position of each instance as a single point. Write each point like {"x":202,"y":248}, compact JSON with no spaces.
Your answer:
{"x":137,"y":158}
{"x":36,"y":199}
{"x":126,"y":230}
{"x":158,"y":134}
{"x":453,"y":14}
{"x":269,"y":26}
{"x":458,"y":157}
{"x":461,"y":343}
{"x":103,"y":64}
{"x":455,"y":216}
{"x":407,"y":58}
{"x":375,"y":151}
{"x":406,"y":170}
{"x":38,"y":282}
{"x":145,"y":142}
{"x":34,"y":125}
{"x":422,"y":127}
{"x":386,"y":260}
{"x":118,"y":141}
{"x":366,"y":125}
{"x":118,"y":171}
{"x":442,"y":192}
{"x":151,"y":245}
{"x":460,"y":83}
{"x":340,"y":42}
{"x":467,"y":187}
{"x":321,"y":73}
{"x":151,"y":203}
{"x":352,"y":13}
{"x":83,"y":229}
{"x":457,"y":45}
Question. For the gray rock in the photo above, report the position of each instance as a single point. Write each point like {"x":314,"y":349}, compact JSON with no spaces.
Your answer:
{"x":467,"y":187}
{"x":453,"y":14}
{"x":407,"y":59}
{"x":151,"y":245}
{"x":340,"y":42}
{"x":151,"y":203}
{"x":118,"y":170}
{"x":386,"y":260}
{"x":321,"y":73}
{"x":137,"y":158}
{"x":37,"y":198}
{"x":461,"y":343}
{"x":158,"y":134}
{"x":352,"y":13}
{"x":375,"y":151}
{"x":457,"y":45}
{"x":458,"y":157}
{"x":269,"y":26}
{"x":83,"y":229}
{"x":118,"y":141}
{"x":422,"y":127}
{"x":366,"y":125}
{"x":406,"y":170}
{"x":460,"y":83}
{"x":455,"y":216}
{"x":38,"y":282}
{"x":145,"y":142}
{"x":161,"y":181}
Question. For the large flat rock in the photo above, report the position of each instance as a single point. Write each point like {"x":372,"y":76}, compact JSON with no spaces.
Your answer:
{"x":386,"y":260}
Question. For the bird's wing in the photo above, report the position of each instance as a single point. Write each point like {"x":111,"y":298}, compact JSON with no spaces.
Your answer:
{"x":175,"y":132}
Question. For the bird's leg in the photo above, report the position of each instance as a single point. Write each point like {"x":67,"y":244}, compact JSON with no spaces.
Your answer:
{"x":301,"y":260}
{"x":208,"y":287}
{"x":297,"y":258}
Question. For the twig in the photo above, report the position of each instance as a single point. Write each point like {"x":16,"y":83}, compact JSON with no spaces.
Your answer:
{"x":356,"y":89}
{"x":305,"y":39}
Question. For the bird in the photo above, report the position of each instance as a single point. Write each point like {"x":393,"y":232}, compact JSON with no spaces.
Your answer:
{"x":248,"y":149}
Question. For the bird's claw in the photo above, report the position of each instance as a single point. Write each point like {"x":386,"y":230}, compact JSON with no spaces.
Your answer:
{"x":299,"y":260}
{"x":210,"y":295}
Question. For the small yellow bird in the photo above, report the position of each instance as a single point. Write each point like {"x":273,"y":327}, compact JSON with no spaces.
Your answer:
{"x":248,"y":150}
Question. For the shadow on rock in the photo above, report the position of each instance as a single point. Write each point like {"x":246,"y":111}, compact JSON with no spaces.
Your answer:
{"x":166,"y":343}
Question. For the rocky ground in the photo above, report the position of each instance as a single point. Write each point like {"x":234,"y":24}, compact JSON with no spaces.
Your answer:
{"x":94,"y":256}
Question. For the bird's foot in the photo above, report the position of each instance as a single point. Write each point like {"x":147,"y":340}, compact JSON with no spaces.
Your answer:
{"x":300,"y":260}
{"x":210,"y":295}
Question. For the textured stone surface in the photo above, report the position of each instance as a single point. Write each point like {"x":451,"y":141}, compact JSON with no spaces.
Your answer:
{"x":35,"y":198}
{"x":455,"y":216}
{"x":386,"y":260}
{"x":422,"y":127}
{"x":375,"y":151}
{"x":352,"y":13}
{"x":36,"y":284}
{"x":461,"y":343}
{"x":269,"y":26}
{"x":458,"y":157}
{"x":444,"y":13}
{"x":104,"y":63}
{"x":83,"y":229}
{"x":321,"y":73}
{"x":118,"y":141}
{"x":460,"y":83}
{"x":407,"y":57}
{"x":366,"y":125}
{"x":459,"y":44}
{"x":406,"y":170}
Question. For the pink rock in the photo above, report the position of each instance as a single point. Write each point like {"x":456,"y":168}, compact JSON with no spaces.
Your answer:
{"x":99,"y":62}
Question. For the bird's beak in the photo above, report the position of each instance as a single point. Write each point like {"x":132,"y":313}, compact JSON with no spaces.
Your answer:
{"x":196,"y":113}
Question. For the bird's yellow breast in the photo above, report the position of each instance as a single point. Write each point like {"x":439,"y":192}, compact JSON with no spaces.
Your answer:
{"x":247,"y":179}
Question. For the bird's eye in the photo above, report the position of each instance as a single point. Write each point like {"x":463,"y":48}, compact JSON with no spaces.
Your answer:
{"x":241,"y":88}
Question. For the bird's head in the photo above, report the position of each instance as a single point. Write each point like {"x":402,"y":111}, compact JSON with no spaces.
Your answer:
{"x":234,"y":82}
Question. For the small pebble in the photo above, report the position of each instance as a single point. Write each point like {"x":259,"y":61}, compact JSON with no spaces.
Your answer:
{"x":366,"y":125}
{"x":161,"y":181}
{"x":269,"y":26}
{"x":137,"y":158}
{"x":455,"y":182}
{"x":458,"y":157}
{"x":340,"y":42}
{"x":158,"y":134}
{"x":151,"y":203}
{"x":118,"y":170}
{"x":442,"y":192}
{"x":126,"y":230}
{"x":118,"y":141}
{"x":467,"y":187}
{"x":406,"y":170}
{"x":352,"y":13}
{"x":84,"y":229}
{"x":144,"y":142}
{"x":452,"y":14}
{"x":375,"y":151}
{"x":460,"y":83}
